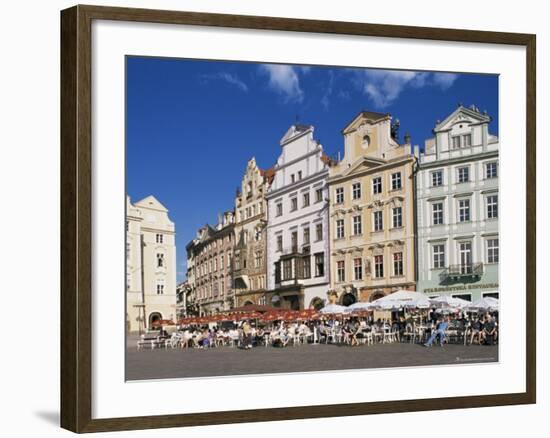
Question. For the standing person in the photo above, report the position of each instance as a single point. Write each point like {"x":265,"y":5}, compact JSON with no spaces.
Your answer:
{"x":440,"y":330}
{"x":247,"y":335}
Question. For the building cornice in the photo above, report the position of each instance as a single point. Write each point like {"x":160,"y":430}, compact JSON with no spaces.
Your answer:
{"x":322,"y":174}
{"x":335,"y":179}
{"x":457,"y":160}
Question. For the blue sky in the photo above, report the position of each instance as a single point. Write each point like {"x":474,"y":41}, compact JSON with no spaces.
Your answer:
{"x":192,"y":125}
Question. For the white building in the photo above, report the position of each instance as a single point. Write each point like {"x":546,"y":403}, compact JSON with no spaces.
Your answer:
{"x":297,"y":232}
{"x":458,"y":208}
{"x":150,"y":264}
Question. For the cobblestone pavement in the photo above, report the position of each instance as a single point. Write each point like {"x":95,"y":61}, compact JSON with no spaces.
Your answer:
{"x":224,"y":361}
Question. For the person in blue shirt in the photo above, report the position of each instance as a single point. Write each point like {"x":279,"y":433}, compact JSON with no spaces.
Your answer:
{"x":440,"y":330}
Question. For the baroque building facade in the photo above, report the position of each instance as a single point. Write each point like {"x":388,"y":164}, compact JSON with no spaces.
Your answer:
{"x":250,"y":252}
{"x":458,"y":208}
{"x":297,"y":230}
{"x":150,"y":264}
{"x":372,"y":246}
{"x":211,"y":256}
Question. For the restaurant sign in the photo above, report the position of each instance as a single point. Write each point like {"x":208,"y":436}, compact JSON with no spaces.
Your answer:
{"x":462,"y":287}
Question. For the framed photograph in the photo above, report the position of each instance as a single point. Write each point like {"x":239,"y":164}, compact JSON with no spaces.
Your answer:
{"x":270,"y":219}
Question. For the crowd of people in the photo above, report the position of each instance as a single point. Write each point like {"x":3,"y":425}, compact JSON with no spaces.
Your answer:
{"x":426,"y":327}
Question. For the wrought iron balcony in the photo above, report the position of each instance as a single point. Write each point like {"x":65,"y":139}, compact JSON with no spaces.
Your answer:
{"x":464,"y":270}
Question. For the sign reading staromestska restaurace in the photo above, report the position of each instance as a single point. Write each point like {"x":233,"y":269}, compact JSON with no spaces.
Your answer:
{"x":462,"y":287}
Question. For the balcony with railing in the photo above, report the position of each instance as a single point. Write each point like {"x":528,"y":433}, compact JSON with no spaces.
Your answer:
{"x":462,"y":271}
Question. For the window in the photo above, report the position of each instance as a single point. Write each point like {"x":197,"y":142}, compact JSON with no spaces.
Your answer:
{"x":379,"y":266}
{"x":127,"y":225}
{"x":277,"y":272}
{"x":319,"y":232}
{"x":216,"y":264}
{"x":306,"y":235}
{"x":160,"y":286}
{"x":340,"y":228}
{"x":397,"y":264}
{"x":377,"y":185}
{"x":463,"y":210}
{"x":339,"y":195}
{"x":378,"y":223}
{"x":160,"y":260}
{"x":492,"y":207}
{"x":356,"y":191}
{"x":279,"y":209}
{"x":128,"y":249}
{"x":287,"y":269}
{"x":463,"y":174}
{"x":294,"y":241}
{"x":358,"y":269}
{"x":357,"y":225}
{"x":292,"y":178}
{"x":299,"y":174}
{"x":318,"y":195}
{"x":319,"y":264}
{"x":222,"y":286}
{"x":467,"y":140}
{"x":306,"y":272}
{"x":305,"y":200}
{"x":465,"y":257}
{"x":159,"y":238}
{"x":437,"y":213}
{"x":280,"y":242}
{"x":492,"y":250}
{"x":437,"y":178}
{"x":397,"y":217}
{"x":238,"y":262}
{"x":293,"y":204}
{"x":341,"y":271}
{"x":229,"y":259}
{"x":396,"y":181}
{"x":491,"y":170}
{"x":258,"y":260}
{"x":456,"y":142}
{"x":221,"y":261}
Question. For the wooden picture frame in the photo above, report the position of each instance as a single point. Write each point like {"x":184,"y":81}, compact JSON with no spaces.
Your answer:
{"x":76,"y":217}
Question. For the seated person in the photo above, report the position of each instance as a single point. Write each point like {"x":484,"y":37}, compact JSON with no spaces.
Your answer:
{"x":489,"y":331}
{"x":439,"y":331}
{"x":476,"y":331}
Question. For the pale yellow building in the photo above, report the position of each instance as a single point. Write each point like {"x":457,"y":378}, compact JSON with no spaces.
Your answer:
{"x":150,"y":264}
{"x":371,"y":212}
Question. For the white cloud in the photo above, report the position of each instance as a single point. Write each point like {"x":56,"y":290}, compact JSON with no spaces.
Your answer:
{"x":384,"y":86}
{"x":284,"y":80}
{"x":325,"y":100}
{"x":229,"y":78}
{"x":444,"y":80}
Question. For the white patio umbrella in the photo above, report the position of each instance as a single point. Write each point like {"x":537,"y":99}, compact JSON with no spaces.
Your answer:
{"x":484,"y":304}
{"x":360,"y":305}
{"x":333,"y":308}
{"x":448,"y":302}
{"x":402,"y":299}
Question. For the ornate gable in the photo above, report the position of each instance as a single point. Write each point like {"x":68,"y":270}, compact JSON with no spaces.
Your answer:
{"x":364,"y":118}
{"x":363,"y":163}
{"x":462,"y":115}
